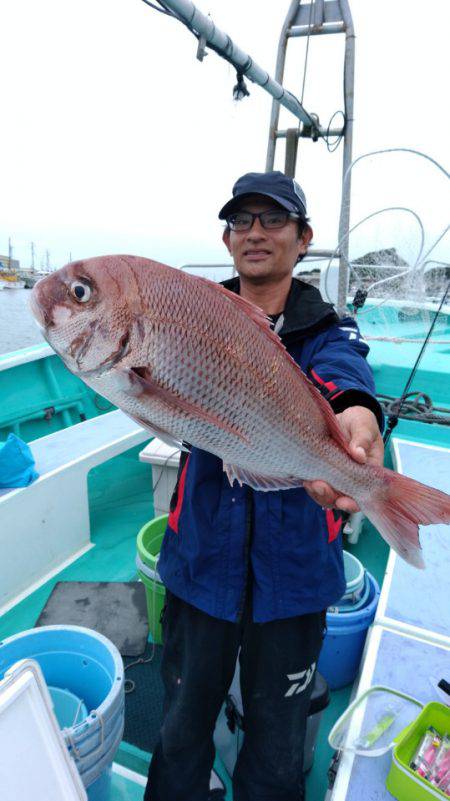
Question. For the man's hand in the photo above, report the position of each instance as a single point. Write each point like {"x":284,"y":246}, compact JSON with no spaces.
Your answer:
{"x":360,"y":428}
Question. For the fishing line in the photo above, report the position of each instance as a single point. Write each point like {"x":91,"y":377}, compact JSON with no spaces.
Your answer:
{"x":305,"y":68}
{"x":240,"y":90}
{"x":160,"y":10}
{"x":334,"y":146}
{"x":441,"y":236}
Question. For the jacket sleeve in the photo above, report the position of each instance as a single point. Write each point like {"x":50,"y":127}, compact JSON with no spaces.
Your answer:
{"x":339,"y":369}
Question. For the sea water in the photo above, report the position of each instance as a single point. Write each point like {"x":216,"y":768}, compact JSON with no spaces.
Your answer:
{"x":17,"y":325}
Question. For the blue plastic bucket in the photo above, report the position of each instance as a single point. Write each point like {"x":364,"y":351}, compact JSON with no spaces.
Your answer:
{"x":68,"y":708}
{"x":354,"y":577}
{"x":88,"y":666}
{"x":355,"y":602}
{"x":344,"y":641}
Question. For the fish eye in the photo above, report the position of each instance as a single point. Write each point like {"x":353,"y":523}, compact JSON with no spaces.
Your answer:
{"x":80,"y":291}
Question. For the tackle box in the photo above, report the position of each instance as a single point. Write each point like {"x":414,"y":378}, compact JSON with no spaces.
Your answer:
{"x":383,"y":720}
{"x":402,"y":781}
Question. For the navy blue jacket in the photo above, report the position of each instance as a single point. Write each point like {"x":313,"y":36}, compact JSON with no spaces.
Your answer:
{"x":222,"y":542}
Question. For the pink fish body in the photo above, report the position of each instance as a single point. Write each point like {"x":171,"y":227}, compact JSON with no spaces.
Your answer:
{"x":192,"y":361}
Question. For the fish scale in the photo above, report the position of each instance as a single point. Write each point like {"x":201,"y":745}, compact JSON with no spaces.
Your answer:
{"x":196,"y":363}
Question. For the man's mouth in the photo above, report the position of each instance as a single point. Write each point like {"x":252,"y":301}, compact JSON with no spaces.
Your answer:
{"x":256,"y":255}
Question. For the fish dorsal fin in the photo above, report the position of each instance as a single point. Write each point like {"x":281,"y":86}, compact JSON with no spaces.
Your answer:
{"x":250,"y":309}
{"x":261,"y":319}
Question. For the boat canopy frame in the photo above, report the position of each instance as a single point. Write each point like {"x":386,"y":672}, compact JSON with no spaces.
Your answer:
{"x":316,"y":18}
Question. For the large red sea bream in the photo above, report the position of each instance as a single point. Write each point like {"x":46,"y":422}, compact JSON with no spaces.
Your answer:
{"x":192,"y":361}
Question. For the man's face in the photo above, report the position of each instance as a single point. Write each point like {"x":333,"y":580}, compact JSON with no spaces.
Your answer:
{"x":260,"y":254}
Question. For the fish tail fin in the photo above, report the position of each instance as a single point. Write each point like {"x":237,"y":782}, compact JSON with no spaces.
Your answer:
{"x":398,"y":510}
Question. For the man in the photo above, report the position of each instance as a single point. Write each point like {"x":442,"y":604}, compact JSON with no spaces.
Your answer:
{"x":252,"y":573}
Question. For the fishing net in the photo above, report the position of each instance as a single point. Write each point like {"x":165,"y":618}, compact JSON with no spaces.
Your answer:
{"x":399,"y":271}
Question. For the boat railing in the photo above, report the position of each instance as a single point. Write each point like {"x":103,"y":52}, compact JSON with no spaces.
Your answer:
{"x":57,"y":503}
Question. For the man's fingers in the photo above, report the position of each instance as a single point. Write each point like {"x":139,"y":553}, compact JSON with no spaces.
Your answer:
{"x":361,"y":444}
{"x":326,"y":496}
{"x":321,"y":492}
{"x":345,"y":504}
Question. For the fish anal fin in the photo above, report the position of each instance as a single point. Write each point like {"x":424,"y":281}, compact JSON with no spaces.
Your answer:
{"x":141,"y":378}
{"x":259,"y":482}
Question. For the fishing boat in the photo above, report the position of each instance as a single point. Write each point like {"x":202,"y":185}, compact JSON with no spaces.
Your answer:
{"x":100,"y":479}
{"x":10,"y":280}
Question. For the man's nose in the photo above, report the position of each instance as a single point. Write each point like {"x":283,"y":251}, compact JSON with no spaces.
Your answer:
{"x":256,"y":231}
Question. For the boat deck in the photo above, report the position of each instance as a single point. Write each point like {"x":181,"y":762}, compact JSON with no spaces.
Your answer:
{"x":120,"y":500}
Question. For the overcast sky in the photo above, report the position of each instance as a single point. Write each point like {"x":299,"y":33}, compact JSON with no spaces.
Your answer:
{"x":116,"y":139}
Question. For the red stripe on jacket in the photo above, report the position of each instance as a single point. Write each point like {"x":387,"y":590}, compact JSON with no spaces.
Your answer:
{"x":330,"y":385}
{"x":333,"y":524}
{"x":174,"y":516}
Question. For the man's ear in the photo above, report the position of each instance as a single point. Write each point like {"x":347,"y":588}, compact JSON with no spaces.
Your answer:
{"x":226,"y":239}
{"x":305,"y":239}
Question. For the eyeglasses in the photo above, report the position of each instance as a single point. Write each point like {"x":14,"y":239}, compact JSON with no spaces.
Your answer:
{"x":243,"y":220}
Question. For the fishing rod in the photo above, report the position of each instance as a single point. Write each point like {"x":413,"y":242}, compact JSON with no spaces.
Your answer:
{"x":209,"y":35}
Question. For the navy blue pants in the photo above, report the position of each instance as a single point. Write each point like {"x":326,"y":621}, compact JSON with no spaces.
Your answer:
{"x":277,"y":663}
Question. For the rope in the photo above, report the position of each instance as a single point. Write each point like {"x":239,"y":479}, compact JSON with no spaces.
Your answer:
{"x":240,"y":90}
{"x":69,"y":736}
{"x":419,"y":407}
{"x":332,"y":147}
{"x":406,"y":339}
{"x":130,"y":685}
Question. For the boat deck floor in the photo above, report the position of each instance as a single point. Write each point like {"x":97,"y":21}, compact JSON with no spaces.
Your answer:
{"x":120,"y":503}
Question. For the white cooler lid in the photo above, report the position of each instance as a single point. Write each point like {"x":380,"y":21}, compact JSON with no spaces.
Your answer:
{"x":34,"y":760}
{"x":160,"y":453}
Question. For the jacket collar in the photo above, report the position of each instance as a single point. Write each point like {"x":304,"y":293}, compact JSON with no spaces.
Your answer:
{"x":305,"y":312}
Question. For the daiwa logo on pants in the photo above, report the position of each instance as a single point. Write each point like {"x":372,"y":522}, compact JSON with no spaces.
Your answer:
{"x":301,"y":680}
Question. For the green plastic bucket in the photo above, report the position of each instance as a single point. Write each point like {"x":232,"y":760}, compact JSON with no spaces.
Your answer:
{"x":149,"y":542}
{"x":402,"y":782}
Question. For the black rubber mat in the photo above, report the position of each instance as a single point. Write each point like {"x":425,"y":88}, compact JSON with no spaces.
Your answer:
{"x":144,"y":704}
{"x":115,"y":609}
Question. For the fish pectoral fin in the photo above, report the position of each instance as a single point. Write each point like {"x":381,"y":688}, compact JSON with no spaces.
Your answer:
{"x":260,"y":482}
{"x":163,"y":435}
{"x":143,"y":381}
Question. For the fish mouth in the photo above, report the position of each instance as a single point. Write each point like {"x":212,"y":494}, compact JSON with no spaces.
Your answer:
{"x":40,"y":314}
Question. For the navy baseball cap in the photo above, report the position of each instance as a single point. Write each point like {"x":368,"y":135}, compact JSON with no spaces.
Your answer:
{"x":276,"y":185}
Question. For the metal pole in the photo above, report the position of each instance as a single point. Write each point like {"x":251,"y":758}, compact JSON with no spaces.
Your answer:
{"x":204,"y":26}
{"x":279,"y":72}
{"x":344,"y":220}
{"x":298,"y":30}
